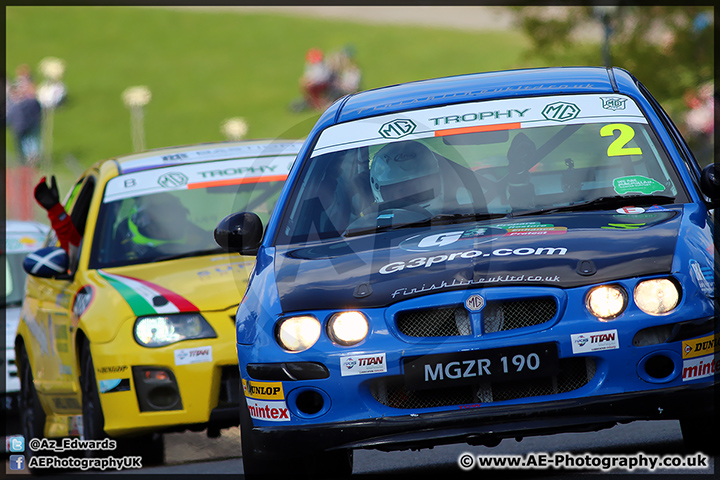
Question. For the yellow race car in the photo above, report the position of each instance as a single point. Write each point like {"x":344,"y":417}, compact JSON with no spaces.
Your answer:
{"x":133,"y":333}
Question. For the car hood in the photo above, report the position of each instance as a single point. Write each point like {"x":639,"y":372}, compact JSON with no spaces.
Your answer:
{"x":559,"y":250}
{"x":208,"y":283}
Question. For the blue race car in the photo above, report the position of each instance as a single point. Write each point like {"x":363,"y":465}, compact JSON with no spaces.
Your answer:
{"x":473,"y":258}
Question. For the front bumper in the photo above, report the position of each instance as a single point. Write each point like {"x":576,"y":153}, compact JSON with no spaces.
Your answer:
{"x":193,"y":384}
{"x":486,"y":426}
{"x":639,"y":369}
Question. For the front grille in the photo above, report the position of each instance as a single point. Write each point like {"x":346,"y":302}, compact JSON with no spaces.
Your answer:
{"x":435,"y":322}
{"x":573,"y":374}
{"x":509,"y":315}
{"x":453,"y":321}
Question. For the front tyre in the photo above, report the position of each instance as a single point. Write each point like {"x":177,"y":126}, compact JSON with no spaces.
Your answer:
{"x":150,"y":447}
{"x":334,"y":464}
{"x":92,"y":414}
{"x":32,"y":415}
{"x":697,"y":436}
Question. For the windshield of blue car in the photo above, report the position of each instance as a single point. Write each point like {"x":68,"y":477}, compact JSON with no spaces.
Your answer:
{"x":168,"y":213}
{"x":478,"y":160}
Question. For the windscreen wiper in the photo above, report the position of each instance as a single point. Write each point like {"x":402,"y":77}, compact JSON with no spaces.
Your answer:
{"x":441,"y":219}
{"x":602,"y":203}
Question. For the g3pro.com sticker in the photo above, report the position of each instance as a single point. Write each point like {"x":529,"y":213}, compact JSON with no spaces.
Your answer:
{"x":478,"y":235}
{"x":427,"y":262}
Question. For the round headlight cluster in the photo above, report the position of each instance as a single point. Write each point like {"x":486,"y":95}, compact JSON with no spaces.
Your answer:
{"x":161,"y":330}
{"x":656,"y":296}
{"x":348,"y":328}
{"x":606,"y":302}
{"x":298,"y":333}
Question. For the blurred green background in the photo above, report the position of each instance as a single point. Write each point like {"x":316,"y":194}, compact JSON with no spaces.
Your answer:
{"x":203,"y":67}
{"x":206,"y":65}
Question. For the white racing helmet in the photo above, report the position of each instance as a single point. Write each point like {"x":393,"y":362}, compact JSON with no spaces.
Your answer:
{"x":406,"y":173}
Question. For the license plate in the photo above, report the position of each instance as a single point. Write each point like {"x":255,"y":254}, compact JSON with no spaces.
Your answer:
{"x":481,"y":366}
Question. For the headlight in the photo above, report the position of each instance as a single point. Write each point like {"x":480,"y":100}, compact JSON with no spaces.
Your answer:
{"x":160,"y":330}
{"x":298,"y":333}
{"x":657,"y":296}
{"x":348,"y":328}
{"x":606,"y":302}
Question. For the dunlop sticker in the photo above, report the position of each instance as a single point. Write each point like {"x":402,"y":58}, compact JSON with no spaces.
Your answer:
{"x":263,"y":390}
{"x":700,"y":346}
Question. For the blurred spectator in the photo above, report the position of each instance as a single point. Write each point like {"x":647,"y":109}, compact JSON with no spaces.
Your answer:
{"x":23,"y":79}
{"x":315,"y":80}
{"x":325,"y":80}
{"x":700,"y":121}
{"x":24,"y":117}
{"x":346,"y":75}
{"x":52,"y":91}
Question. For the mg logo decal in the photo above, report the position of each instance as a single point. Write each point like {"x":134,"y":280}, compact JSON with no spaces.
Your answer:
{"x":613,"y":103}
{"x":397,"y":128}
{"x":561,"y":111}
{"x":475,"y":303}
{"x":172,"y":180}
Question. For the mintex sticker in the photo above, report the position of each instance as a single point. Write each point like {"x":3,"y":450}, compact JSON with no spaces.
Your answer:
{"x":263,"y":390}
{"x":637,"y":184}
{"x":594,"y":341}
{"x":701,"y":346}
{"x":270,"y":411}
{"x":700,"y":367}
{"x":186,"y":356}
{"x":362,"y":364}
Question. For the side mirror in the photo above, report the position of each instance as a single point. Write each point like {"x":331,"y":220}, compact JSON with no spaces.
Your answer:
{"x":48,"y":262}
{"x":240,"y":232}
{"x":710,"y":182}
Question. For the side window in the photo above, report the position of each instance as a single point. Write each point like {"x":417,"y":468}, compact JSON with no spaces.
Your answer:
{"x":78,"y":206}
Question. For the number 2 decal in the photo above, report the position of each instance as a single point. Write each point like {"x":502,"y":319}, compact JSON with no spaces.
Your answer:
{"x":617,"y":147}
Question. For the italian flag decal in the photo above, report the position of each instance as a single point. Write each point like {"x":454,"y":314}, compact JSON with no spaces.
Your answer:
{"x":146,"y":298}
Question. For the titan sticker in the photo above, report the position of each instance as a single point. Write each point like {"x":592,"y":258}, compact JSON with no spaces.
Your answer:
{"x":363,"y":364}
{"x":263,"y":390}
{"x":187,"y":356}
{"x":594,"y":341}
